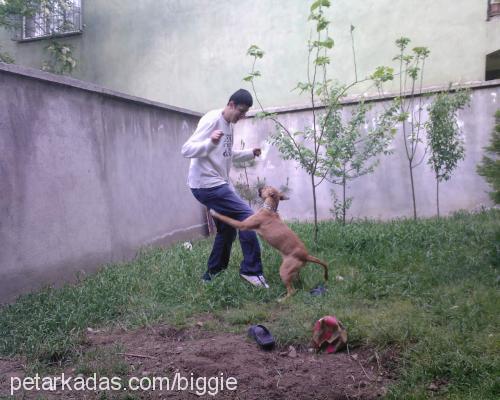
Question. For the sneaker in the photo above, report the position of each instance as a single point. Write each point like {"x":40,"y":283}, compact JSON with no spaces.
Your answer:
{"x":256,"y":280}
{"x":206,"y":277}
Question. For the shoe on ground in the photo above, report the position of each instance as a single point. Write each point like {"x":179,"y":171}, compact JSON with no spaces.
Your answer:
{"x":206,"y":277}
{"x":256,"y":280}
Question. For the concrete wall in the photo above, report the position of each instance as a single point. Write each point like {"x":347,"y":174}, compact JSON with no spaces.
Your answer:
{"x":192,"y":53}
{"x":386,"y":193}
{"x":87,"y":177}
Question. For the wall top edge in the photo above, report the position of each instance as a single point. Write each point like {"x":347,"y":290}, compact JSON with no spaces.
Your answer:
{"x":385,"y":96}
{"x":88,"y":87}
{"x":91,"y":87}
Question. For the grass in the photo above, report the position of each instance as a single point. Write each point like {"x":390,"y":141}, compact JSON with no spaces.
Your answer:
{"x":428,"y":288}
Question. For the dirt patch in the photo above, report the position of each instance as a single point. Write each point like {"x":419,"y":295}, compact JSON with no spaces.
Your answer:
{"x":163,"y":351}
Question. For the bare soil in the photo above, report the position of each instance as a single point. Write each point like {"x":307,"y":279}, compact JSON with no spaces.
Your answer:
{"x":162,"y":351}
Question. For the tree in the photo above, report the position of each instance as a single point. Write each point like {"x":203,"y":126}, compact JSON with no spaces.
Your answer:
{"x":411,"y":74}
{"x":490,"y":166}
{"x":350,"y":150}
{"x":309,"y":148}
{"x":443,"y":133}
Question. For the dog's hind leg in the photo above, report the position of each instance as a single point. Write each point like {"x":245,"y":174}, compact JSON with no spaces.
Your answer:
{"x":288,"y":270}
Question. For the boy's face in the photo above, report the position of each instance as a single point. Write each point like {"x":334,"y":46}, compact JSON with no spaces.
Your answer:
{"x":236,"y":112}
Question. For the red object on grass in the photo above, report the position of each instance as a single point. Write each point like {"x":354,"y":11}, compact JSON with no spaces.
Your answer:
{"x":329,"y":334}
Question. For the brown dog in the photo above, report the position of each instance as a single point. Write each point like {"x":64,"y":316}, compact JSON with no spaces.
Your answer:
{"x":269,"y":225}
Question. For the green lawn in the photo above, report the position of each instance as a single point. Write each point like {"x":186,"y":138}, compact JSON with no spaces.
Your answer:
{"x":429,"y":288}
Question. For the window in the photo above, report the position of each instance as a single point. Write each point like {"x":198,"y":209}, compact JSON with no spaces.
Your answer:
{"x":53,"y":18}
{"x":493,"y":66}
{"x":493,"y":8}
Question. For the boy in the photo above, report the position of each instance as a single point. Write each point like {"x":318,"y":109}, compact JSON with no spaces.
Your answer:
{"x":210,"y":149}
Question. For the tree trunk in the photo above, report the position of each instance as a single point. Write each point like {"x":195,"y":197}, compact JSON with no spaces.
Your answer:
{"x":343,"y":201}
{"x":315,"y":211}
{"x":437,"y":195}
{"x":248,"y":186}
{"x":413,"y":193}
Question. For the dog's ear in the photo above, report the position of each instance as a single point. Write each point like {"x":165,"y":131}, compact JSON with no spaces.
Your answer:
{"x":284,"y":197}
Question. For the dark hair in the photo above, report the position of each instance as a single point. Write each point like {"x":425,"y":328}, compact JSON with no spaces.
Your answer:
{"x":241,"y":96}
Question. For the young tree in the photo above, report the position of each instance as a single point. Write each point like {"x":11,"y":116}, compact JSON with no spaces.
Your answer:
{"x":490,"y":166}
{"x":309,"y":147}
{"x":409,"y":103}
{"x":443,"y":133}
{"x":351,"y":148}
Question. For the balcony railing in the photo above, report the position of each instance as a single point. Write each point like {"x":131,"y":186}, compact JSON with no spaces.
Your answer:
{"x":61,"y":21}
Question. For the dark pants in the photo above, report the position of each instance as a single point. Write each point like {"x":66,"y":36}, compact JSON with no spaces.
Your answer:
{"x":226,"y":202}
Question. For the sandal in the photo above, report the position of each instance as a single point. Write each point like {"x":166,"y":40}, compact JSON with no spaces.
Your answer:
{"x":262,"y":336}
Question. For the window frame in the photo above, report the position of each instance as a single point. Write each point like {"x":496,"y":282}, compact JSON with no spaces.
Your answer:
{"x":496,"y":12}
{"x":49,"y":22}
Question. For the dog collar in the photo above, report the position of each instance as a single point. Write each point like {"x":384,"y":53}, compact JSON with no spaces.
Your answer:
{"x":268,"y":207}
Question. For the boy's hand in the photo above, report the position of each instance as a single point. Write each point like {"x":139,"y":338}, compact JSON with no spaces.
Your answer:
{"x":216,"y":135}
{"x":257,"y":152}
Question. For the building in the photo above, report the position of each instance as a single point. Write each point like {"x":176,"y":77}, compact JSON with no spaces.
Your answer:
{"x":192,"y":53}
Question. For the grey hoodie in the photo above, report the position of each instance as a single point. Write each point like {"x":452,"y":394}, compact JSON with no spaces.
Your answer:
{"x":211,"y":163}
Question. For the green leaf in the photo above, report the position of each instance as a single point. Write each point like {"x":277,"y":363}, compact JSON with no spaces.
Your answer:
{"x":403,"y":117}
{"x":322,"y":24}
{"x":328,"y":43}
{"x":402,"y":42}
{"x":320,"y":3}
{"x":322,"y":60}
{"x":421,"y":51}
{"x":407,"y":59}
{"x":249,"y":78}
{"x":255,"y":51}
{"x":413,"y":72}
{"x":303,"y":87}
{"x":383,"y":74}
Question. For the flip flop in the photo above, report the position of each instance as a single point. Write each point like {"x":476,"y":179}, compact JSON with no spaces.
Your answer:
{"x":262,"y":336}
{"x":319,"y":290}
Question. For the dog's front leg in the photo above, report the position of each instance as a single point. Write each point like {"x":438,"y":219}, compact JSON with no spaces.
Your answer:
{"x":245,"y":225}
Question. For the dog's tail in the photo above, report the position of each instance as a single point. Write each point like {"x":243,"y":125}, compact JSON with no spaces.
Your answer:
{"x":318,"y":261}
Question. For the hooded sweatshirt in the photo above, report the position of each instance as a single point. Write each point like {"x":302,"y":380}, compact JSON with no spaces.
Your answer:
{"x":211,"y":163}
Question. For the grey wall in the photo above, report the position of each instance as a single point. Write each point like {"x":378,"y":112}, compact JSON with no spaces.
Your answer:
{"x":87,"y":176}
{"x":386,"y":193}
